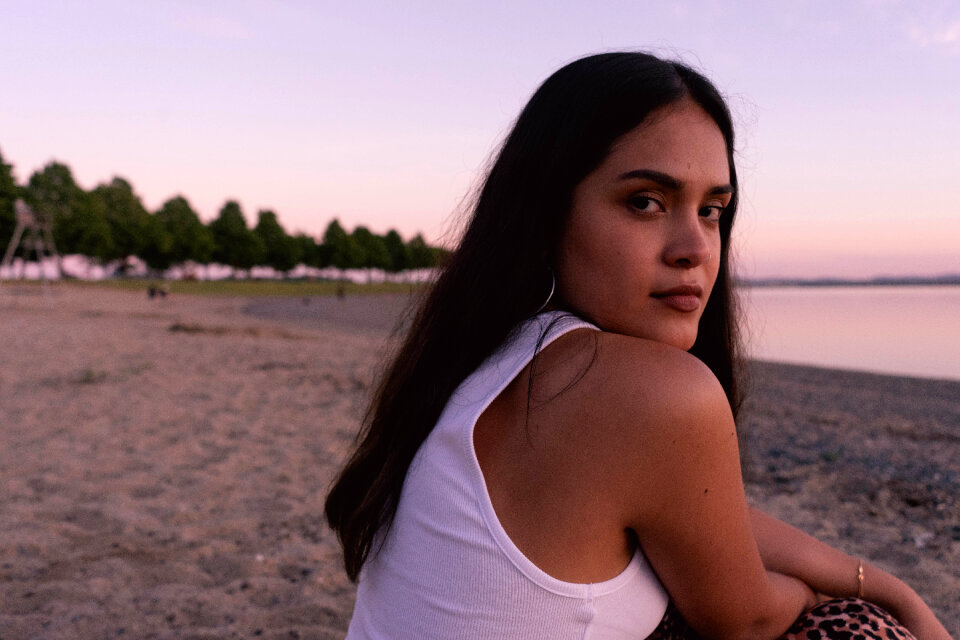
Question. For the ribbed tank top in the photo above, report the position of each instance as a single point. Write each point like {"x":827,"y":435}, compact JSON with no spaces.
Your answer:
{"x":447,"y":568}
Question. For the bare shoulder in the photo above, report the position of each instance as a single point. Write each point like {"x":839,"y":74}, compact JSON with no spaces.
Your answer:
{"x":640,"y":362}
{"x":639,"y":411}
{"x":634,"y":384}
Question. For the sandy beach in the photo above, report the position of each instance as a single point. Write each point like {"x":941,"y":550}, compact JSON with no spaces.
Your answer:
{"x":164,"y":463}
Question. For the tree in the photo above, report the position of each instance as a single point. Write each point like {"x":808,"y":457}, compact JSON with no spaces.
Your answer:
{"x":399,"y":258}
{"x":157,"y":245}
{"x":438,"y":255}
{"x":421,"y":255}
{"x":234,"y":243}
{"x":189,"y":238}
{"x":372,"y":250}
{"x":53,"y":191}
{"x":339,"y":248}
{"x":280,"y":250}
{"x":130,"y":224}
{"x":86,"y":230}
{"x":308,"y":249}
{"x":9,"y":192}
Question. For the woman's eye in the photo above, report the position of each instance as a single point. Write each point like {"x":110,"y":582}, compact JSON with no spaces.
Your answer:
{"x":712,"y":212}
{"x":646,"y":204}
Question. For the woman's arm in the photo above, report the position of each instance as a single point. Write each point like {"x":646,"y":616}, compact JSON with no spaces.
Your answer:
{"x":787,"y":550}
{"x":658,"y":439}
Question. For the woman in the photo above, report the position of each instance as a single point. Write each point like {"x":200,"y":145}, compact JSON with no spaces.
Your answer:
{"x":553,"y":452}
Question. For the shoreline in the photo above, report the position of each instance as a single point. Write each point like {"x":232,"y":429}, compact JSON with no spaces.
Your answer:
{"x":165,"y":464}
{"x":866,"y":373}
{"x":867,"y":463}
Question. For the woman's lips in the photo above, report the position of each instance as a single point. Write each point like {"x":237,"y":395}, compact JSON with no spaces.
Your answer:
{"x":683,"y":298}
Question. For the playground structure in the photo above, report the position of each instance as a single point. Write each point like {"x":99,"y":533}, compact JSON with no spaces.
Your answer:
{"x":34,"y":233}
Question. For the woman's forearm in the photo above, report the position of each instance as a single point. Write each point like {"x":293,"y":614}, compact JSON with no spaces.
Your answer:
{"x":787,"y":550}
{"x":794,"y":597}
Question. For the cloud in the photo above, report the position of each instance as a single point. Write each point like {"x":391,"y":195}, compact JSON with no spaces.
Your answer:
{"x":945,"y":37}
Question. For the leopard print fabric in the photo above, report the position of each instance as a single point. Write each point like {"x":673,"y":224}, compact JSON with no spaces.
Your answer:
{"x":847,"y":619}
{"x":839,"y":619}
{"x":673,"y":627}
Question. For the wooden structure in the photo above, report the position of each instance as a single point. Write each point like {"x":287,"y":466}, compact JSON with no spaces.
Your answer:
{"x":34,"y":232}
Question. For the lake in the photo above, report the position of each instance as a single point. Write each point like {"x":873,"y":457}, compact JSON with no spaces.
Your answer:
{"x":905,"y":330}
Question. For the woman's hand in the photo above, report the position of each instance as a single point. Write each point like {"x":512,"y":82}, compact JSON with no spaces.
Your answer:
{"x":903,"y":603}
{"x":916,"y":616}
{"x":832,"y":573}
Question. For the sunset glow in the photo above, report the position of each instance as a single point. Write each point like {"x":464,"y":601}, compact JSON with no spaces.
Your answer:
{"x":384,"y":114}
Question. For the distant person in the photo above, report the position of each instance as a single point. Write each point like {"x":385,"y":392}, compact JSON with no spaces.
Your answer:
{"x":552,"y":453}
{"x":158,"y":290}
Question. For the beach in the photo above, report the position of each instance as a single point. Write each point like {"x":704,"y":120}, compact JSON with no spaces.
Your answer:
{"x":165,"y":461}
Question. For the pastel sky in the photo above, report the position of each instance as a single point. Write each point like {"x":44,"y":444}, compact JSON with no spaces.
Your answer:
{"x":384,"y":113}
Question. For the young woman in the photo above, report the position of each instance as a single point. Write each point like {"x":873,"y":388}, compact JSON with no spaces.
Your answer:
{"x":552,"y":453}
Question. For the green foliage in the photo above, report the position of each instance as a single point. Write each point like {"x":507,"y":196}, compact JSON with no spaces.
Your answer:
{"x":234,"y":243}
{"x":110,"y":222}
{"x":439,"y":256}
{"x":53,"y":191}
{"x":158,"y":244}
{"x":334,"y":233}
{"x":308,"y":249}
{"x":131,"y":227}
{"x":86,"y":230}
{"x":372,"y":250}
{"x":399,"y":257}
{"x":340,"y":249}
{"x":9,"y":192}
{"x":421,"y":256}
{"x":364,"y":249}
{"x":281,"y":251}
{"x":189,"y":238}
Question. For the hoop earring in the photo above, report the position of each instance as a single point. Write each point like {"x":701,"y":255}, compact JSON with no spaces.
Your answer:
{"x":553,"y":287}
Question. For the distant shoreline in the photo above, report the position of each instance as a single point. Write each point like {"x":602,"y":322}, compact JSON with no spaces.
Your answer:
{"x":386,"y":313}
{"x":882,"y":281}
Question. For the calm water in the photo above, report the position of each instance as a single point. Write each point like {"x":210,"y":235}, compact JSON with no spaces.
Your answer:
{"x":910,"y":330}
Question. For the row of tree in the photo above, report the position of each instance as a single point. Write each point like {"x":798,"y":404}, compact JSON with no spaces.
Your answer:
{"x":110,"y":222}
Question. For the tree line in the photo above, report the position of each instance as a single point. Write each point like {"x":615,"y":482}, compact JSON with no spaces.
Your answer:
{"x":109,"y":222}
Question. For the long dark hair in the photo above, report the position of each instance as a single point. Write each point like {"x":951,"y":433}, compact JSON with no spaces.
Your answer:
{"x":499,"y":273}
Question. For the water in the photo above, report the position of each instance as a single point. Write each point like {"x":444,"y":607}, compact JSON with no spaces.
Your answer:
{"x":905,"y":330}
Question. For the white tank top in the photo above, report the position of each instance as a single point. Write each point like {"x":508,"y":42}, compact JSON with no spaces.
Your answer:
{"x":447,"y":568}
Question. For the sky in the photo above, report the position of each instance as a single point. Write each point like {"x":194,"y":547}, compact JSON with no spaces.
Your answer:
{"x":384,"y":114}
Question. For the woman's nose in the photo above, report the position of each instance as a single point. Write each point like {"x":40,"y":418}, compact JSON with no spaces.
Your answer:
{"x":688,"y":244}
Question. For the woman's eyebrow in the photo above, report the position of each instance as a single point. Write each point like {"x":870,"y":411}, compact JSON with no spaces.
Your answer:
{"x":667,"y":181}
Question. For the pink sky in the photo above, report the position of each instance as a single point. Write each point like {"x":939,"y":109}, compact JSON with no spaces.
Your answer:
{"x":383,"y":114}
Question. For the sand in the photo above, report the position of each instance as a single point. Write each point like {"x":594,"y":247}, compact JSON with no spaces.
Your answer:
{"x":164,"y":463}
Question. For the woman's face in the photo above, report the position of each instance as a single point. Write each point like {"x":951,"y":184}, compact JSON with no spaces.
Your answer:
{"x":640,"y":249}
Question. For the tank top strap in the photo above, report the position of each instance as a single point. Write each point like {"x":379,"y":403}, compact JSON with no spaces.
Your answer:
{"x":520,"y":347}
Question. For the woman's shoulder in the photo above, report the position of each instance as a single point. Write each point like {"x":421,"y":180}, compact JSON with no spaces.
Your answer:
{"x":627,"y":413}
{"x":635,"y":358}
{"x":624,"y":377}
{"x":623,"y":398}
